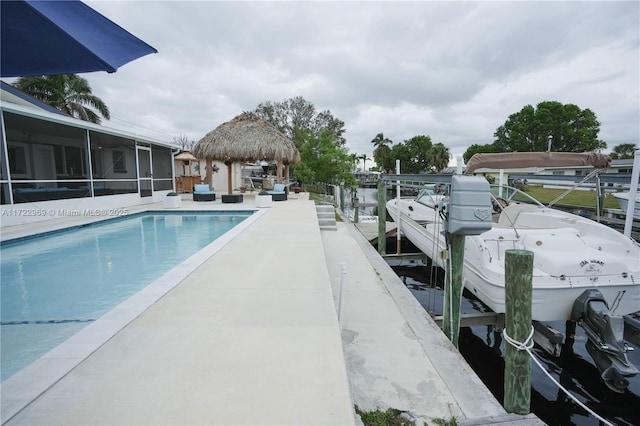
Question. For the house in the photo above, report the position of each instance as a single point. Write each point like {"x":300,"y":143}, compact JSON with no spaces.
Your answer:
{"x":614,"y":178}
{"x":53,"y":165}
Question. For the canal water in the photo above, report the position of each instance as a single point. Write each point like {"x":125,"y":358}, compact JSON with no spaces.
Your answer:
{"x":484,"y":350}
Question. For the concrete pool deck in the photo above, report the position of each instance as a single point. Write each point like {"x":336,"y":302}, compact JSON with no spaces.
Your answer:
{"x":251,"y":336}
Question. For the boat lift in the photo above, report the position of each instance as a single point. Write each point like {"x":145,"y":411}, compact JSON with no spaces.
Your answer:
{"x":605,"y":329}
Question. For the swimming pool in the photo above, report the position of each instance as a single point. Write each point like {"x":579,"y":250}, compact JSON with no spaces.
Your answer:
{"x":56,"y":284}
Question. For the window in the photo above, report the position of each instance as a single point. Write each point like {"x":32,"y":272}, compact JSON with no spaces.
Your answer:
{"x":119,"y":164}
{"x":18,"y":164}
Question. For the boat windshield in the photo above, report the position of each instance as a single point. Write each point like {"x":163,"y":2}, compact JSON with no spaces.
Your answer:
{"x":428,"y":197}
{"x":512,"y":194}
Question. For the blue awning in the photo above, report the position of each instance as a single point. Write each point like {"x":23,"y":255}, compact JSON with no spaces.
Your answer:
{"x":62,"y":37}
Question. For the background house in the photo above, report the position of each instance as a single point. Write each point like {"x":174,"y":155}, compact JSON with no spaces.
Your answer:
{"x":615,"y":178}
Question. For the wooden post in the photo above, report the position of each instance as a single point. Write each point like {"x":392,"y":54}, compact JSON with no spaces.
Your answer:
{"x":355,"y":210}
{"x":382,"y":217}
{"x":342,"y":197}
{"x":453,"y":288}
{"x":208,"y":175}
{"x":279,"y":171}
{"x":229,"y":183}
{"x":518,"y":289}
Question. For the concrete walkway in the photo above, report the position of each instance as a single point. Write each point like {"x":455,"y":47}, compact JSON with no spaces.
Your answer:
{"x":251,"y":336}
{"x":396,"y":355}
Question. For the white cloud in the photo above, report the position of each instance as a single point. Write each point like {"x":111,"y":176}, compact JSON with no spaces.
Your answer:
{"x":452,"y":70}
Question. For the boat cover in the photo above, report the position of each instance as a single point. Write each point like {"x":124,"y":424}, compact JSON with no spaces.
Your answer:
{"x":520,"y":160}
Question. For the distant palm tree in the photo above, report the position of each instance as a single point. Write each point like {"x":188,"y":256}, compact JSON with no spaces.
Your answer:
{"x":380,"y":140}
{"x":440,"y":156}
{"x":364,"y":159}
{"x":382,"y":152}
{"x":68,"y":93}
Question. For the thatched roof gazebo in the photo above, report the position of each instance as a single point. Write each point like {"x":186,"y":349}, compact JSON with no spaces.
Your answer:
{"x":246,"y":138}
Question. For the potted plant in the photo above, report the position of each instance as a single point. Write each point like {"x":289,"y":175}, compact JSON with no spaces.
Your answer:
{"x":172,"y":201}
{"x":296,"y":189}
{"x":263,"y":199}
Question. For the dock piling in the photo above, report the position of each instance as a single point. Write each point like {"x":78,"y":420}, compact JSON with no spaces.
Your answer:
{"x":382,"y":217}
{"x":518,"y":297}
{"x":453,"y":287}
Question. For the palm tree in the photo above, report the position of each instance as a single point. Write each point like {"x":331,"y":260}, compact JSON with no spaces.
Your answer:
{"x":364,"y":159}
{"x":439,"y":156}
{"x":380,"y":140}
{"x":382,"y":152}
{"x":623,"y":151}
{"x":68,"y":93}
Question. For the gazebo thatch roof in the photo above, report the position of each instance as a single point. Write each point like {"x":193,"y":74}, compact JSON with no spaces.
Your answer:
{"x":246,"y":138}
{"x":185,"y":156}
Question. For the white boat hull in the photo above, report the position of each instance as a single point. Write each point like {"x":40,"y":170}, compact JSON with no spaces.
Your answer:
{"x":575,"y":255}
{"x":623,"y":200}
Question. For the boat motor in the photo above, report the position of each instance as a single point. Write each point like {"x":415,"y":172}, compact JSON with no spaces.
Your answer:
{"x":605,"y":343}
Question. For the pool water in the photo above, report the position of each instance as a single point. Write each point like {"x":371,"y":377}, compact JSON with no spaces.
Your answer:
{"x":54,"y":285}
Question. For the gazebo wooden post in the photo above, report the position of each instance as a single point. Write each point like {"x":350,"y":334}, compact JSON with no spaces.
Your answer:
{"x":209,"y":172}
{"x":286,"y":171}
{"x":279,"y":171}
{"x":229,"y":185}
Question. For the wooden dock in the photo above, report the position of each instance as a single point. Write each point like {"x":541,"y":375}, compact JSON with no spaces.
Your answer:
{"x":370,"y":230}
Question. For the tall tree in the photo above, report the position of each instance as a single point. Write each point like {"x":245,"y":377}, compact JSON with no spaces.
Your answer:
{"x":183,"y":142}
{"x":623,"y":151}
{"x":382,"y":152}
{"x":323,"y":160}
{"x":299,"y":114}
{"x":318,"y":137}
{"x":420,"y":150}
{"x":419,"y":155}
{"x":364,"y":159}
{"x":379,"y":140}
{"x":440,"y":156}
{"x":68,"y":93}
{"x":550,"y":125}
{"x":401,"y":152}
{"x":478,"y":149}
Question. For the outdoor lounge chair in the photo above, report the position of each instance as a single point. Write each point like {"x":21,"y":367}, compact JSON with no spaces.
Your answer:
{"x":279,"y":192}
{"x":201,"y":192}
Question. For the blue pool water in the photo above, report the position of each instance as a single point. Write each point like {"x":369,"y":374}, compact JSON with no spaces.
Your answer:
{"x":55,"y":284}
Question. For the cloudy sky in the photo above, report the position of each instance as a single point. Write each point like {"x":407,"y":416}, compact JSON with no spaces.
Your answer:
{"x":452,"y":70}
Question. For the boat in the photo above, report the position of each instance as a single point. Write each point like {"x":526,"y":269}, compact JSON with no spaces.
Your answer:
{"x":623,"y":199}
{"x":583,"y":271}
{"x":571,"y":253}
{"x":362,"y":217}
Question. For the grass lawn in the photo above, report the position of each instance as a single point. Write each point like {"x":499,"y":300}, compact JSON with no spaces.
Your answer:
{"x":576,"y":197}
{"x":544,"y":195}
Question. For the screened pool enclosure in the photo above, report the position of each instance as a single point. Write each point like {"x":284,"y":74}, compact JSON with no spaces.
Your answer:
{"x":48,"y":156}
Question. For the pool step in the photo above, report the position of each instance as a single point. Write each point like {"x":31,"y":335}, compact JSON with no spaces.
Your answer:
{"x":326,"y":217}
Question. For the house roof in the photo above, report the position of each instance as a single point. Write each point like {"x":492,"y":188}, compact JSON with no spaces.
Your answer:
{"x":64,"y":119}
{"x":9,"y":93}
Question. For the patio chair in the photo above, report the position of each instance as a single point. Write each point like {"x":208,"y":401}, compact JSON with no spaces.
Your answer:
{"x":201,"y":192}
{"x":279,"y":192}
